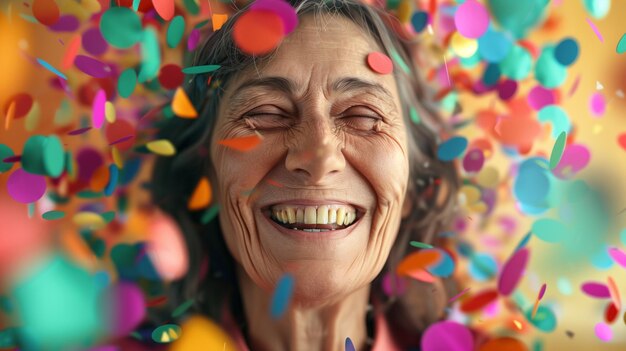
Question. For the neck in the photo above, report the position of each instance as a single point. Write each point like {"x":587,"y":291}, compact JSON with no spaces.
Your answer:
{"x":303,"y":328}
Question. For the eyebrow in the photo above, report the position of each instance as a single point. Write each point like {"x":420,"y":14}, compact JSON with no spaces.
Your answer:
{"x":287,"y":86}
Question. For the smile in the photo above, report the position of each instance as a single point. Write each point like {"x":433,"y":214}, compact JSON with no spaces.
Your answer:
{"x":296,"y":218}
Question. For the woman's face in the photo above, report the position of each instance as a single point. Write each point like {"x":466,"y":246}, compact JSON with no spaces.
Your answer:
{"x":334,"y":145}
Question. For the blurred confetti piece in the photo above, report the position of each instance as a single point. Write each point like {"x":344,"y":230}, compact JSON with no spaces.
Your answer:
{"x":161,"y":147}
{"x":599,"y":86}
{"x":618,"y":256}
{"x":175,"y":31}
{"x":71,"y":52}
{"x":97,"y":113}
{"x":46,"y":11}
{"x":165,"y":8}
{"x":505,"y":343}
{"x":419,"y":20}
{"x":420,"y":245}
{"x":566,"y":51}
{"x":621,"y":45}
{"x":597,"y":104}
{"x":121,"y":27}
{"x":452,"y":148}
{"x":126,"y":82}
{"x":199,"y":334}
{"x":184,"y":307}
{"x":166,"y":333}
{"x":88,"y":220}
{"x":124,"y":307}
{"x":597,"y":290}
{"x":9,"y":116}
{"x":542,"y":291}
{"x":610,"y":313}
{"x":200,"y":69}
{"x":50,"y":68}
{"x":92,"y":67}
{"x":471,"y":19}
{"x":43,"y":155}
{"x":182,"y":106}
{"x":518,"y":324}
{"x":418,"y":261}
{"x":109,"y":112}
{"x":210,"y":213}
{"x":614,"y":292}
{"x":281,"y":8}
{"x":201,"y":196}
{"x":379,"y":63}
{"x":595,"y":30}
{"x":447,"y":335}
{"x":557,"y":150}
{"x":479,"y":301}
{"x":218,"y":20}
{"x":512,"y":271}
{"x":544,"y":319}
{"x":53,"y":215}
{"x":166,"y":247}
{"x":25,"y":187}
{"x":621,"y":141}
{"x":242,"y":144}
{"x":603,"y":332}
{"x":258,"y":32}
{"x":349,"y":345}
{"x":5,"y":152}
{"x":282,"y":296}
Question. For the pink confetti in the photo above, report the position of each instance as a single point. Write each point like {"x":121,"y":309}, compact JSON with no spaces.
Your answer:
{"x":597,"y":104}
{"x":604,"y":332}
{"x":574,"y":87}
{"x":92,"y":67}
{"x":595,"y":30}
{"x":597,"y":290}
{"x":471,"y":19}
{"x":456,"y":297}
{"x":542,"y":292}
{"x":447,"y":335}
{"x":575,"y":157}
{"x":25,"y":187}
{"x":165,"y":8}
{"x":512,"y":271}
{"x":282,"y":8}
{"x":97,"y":114}
{"x":539,"y":97}
{"x":618,"y":256}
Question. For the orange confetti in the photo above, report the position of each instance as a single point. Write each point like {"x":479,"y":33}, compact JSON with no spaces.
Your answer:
{"x":535,"y":308}
{"x":165,"y":8}
{"x":258,"y":32}
{"x":614,"y":292}
{"x":421,"y":275}
{"x":218,"y":20}
{"x":243,"y":144}
{"x":417,"y":261}
{"x":201,"y":196}
{"x":46,"y":12}
{"x":505,"y":343}
{"x":71,"y":52}
{"x":99,"y":179}
{"x":181,"y":105}
{"x":9,"y":117}
{"x":517,"y":323}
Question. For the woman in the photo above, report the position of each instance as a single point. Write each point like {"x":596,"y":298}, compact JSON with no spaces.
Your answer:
{"x":337,"y":141}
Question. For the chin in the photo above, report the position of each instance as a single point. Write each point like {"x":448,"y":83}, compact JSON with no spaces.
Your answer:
{"x":325,"y":288}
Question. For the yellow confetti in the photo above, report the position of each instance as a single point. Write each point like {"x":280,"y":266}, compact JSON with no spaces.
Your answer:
{"x":165,"y":338}
{"x":200,"y":334}
{"x":109,"y":112}
{"x":517,"y":323}
{"x":117,"y":158}
{"x":181,"y":105}
{"x":32,"y":118}
{"x":404,"y":11}
{"x":218,"y":20}
{"x":89,"y":220}
{"x":201,"y":196}
{"x":161,"y":147}
{"x":462,"y":46}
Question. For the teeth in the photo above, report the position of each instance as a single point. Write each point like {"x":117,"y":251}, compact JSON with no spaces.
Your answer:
{"x":323,"y":214}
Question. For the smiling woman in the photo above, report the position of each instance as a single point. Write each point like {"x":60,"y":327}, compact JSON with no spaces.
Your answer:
{"x":340,"y":183}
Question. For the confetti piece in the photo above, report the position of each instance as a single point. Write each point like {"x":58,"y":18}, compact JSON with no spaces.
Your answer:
{"x":200,"y":333}
{"x":175,"y":31}
{"x":184,"y":307}
{"x":92,"y":67}
{"x":557,"y":150}
{"x":98,"y":109}
{"x":445,"y":266}
{"x":457,"y":296}
{"x":113,"y":179}
{"x":200,"y":69}
{"x":418,"y":261}
{"x":471,"y":19}
{"x":126,"y":307}
{"x":452,"y":148}
{"x":535,"y":308}
{"x":566,"y":51}
{"x":544,"y":319}
{"x":161,"y":147}
{"x":597,"y":290}
{"x":46,"y":12}
{"x":473,"y":160}
{"x":26,"y":187}
{"x":165,"y":8}
{"x":597,"y":8}
{"x":201,"y":196}
{"x":379,"y":63}
{"x":621,"y":45}
{"x":218,"y":20}
{"x":482,"y":267}
{"x":505,"y":343}
{"x":166,"y":333}
{"x":618,"y":256}
{"x":479,"y":301}
{"x":49,"y":67}
{"x":182,"y":106}
{"x":548,"y":71}
{"x":88,"y":220}
{"x":93,"y":42}
{"x":447,"y":335}
{"x":242,"y":144}
{"x":5,"y":153}
{"x":121,"y":27}
{"x":420,"y":245}
{"x":621,"y":141}
{"x":393,"y":285}
{"x":71,"y":52}
{"x":462,"y":46}
{"x":542,"y":292}
{"x":282,"y":296}
{"x":53,"y":215}
{"x":258,"y":32}
{"x":614,"y":293}
{"x":281,"y":8}
{"x":610,"y":313}
{"x":518,"y":324}
{"x":210,"y":214}
{"x":127,"y":82}
{"x":595,"y":30}
{"x":349,"y":346}
{"x":109,"y":112}
{"x":43,"y":155}
{"x":494,"y":46}
{"x":419,"y":20}
{"x":603,"y":332}
{"x":597,"y":104}
{"x":9,"y":116}
{"x":171,"y":76}
{"x":512,"y":271}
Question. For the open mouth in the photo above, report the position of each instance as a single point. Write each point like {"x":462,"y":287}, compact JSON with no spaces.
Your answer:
{"x":321,"y":218}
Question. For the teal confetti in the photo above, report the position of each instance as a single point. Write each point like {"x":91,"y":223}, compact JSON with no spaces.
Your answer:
{"x":452,"y":148}
{"x":53,"y":215}
{"x":209,"y":214}
{"x":200,"y":69}
{"x":180,"y":310}
{"x":150,"y":56}
{"x":549,"y":230}
{"x":420,"y":245}
{"x":175,"y":31}
{"x":127,"y":82}
{"x":282,"y":295}
{"x":398,"y":59}
{"x":415,"y":118}
{"x":136,"y":5}
{"x":557,"y":150}
{"x":49,"y":67}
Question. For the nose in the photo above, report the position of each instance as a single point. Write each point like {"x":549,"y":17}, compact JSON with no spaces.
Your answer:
{"x":316,"y":152}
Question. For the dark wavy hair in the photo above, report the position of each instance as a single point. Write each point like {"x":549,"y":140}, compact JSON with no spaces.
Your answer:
{"x":432,"y":187}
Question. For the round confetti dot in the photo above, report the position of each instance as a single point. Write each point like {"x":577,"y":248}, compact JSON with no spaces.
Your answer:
{"x":566,"y":51}
{"x":548,"y":71}
{"x":517,"y":65}
{"x":539,"y":97}
{"x":471,"y":19}
{"x":507,"y":89}
{"x":597,"y":104}
{"x":491,"y":75}
{"x":5,"y":152}
{"x":121,"y":27}
{"x":43,"y":155}
{"x":603,"y":332}
{"x":127,"y":82}
{"x":93,"y":42}
{"x":505,"y":343}
{"x":494,"y":46}
{"x":549,"y":230}
{"x":621,"y":45}
{"x":53,"y":215}
{"x":575,"y":158}
{"x":419,"y":20}
{"x":452,"y":148}
{"x":166,"y":333}
{"x":165,"y":8}
{"x":281,"y":8}
{"x":447,"y":335}
{"x":258,"y":32}
{"x":175,"y":31}
{"x":473,"y":160}
{"x":379,"y":63}
{"x":199,"y":333}
{"x":479,"y":301}
{"x":544,"y":319}
{"x":445,"y":266}
{"x":482,"y":267}
{"x":349,"y":346}
{"x":46,"y":12}
{"x":557,"y":150}
{"x":557,"y":117}
{"x":512,"y":271}
{"x":171,"y":76}
{"x":564,"y":286}
{"x":25,"y":187}
{"x":462,"y":46}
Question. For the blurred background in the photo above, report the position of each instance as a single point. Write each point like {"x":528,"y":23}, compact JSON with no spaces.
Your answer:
{"x":75,"y":158}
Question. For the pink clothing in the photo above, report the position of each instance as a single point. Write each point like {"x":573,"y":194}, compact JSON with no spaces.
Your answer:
{"x":383,"y":340}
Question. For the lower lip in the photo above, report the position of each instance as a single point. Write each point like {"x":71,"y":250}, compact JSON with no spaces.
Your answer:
{"x":314,"y":236}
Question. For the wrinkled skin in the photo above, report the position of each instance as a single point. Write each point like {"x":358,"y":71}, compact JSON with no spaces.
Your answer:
{"x":317,"y":144}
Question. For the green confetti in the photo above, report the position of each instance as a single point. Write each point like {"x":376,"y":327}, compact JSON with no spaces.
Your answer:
{"x":200,"y":69}
{"x":209,"y":214}
{"x":415,"y":118}
{"x":557,"y":150}
{"x":166,"y":333}
{"x":88,"y":194}
{"x":182,"y":308}
{"x":621,"y":45}
{"x":108,"y":216}
{"x":121,"y":27}
{"x":5,"y":152}
{"x":420,"y":245}
{"x":150,"y":56}
{"x":53,"y":215}
{"x":175,"y":31}
{"x":396,"y":57}
{"x":127,"y":82}
{"x":191,"y":7}
{"x":43,"y":155}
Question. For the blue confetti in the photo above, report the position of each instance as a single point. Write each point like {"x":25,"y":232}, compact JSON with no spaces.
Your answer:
{"x":419,"y":20}
{"x":349,"y":345}
{"x":494,"y":46}
{"x":566,"y":52}
{"x":443,"y":268}
{"x":282,"y":295}
{"x":452,"y":148}
{"x":49,"y":67}
{"x":113,"y":178}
